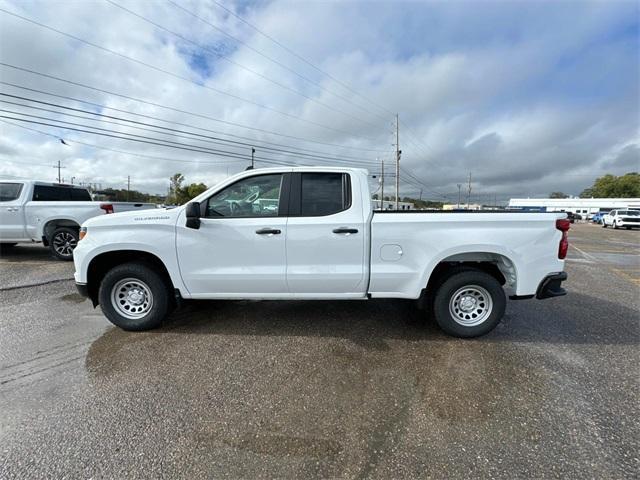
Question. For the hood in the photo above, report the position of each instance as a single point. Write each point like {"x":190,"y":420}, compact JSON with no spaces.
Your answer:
{"x":151,"y":216}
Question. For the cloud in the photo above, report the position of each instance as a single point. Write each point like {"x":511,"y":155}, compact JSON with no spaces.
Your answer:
{"x":528,"y":97}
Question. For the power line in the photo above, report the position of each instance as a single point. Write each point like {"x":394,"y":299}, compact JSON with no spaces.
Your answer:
{"x":153,"y":104}
{"x":174,"y":132}
{"x":420,"y":182}
{"x":274,"y":61}
{"x":347,"y":87}
{"x":175,"y":75}
{"x":143,"y":139}
{"x":239,"y":65}
{"x":281,"y":45}
{"x":153,"y":157}
{"x":237,"y":156}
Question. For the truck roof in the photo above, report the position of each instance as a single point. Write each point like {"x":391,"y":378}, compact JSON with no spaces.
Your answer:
{"x":39,"y":182}
{"x":327,"y":168}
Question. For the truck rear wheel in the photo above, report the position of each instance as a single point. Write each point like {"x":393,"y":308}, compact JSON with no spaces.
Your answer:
{"x":62,"y":242}
{"x":134,"y":296}
{"x":469,"y":303}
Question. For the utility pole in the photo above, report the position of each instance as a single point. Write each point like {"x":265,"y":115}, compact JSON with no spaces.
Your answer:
{"x":382,"y":188}
{"x":398,"y":153}
{"x":459,"y":187}
{"x":128,"y":186}
{"x":59,"y":167}
{"x":253,"y":151}
{"x":469,"y":192}
{"x":420,"y":194}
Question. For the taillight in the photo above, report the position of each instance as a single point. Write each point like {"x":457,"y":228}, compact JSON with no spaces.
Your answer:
{"x":563,"y":225}
{"x":107,"y":207}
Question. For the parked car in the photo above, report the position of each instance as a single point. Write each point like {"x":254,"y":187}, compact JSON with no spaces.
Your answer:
{"x":622,"y":219}
{"x":573,"y":216}
{"x":324,"y":242}
{"x":597,"y":217}
{"x":50,"y":213}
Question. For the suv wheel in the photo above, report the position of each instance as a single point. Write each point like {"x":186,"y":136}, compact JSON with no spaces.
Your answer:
{"x":134,"y":296}
{"x":469,"y":303}
{"x":62,"y":242}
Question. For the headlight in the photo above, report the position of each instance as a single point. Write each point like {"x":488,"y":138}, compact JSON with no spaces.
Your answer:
{"x":83,"y":233}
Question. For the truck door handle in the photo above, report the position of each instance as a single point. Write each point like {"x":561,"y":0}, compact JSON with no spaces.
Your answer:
{"x":345,"y":230}
{"x":267,"y":231}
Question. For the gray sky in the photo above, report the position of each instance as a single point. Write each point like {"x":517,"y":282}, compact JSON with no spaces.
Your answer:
{"x":530,"y":97}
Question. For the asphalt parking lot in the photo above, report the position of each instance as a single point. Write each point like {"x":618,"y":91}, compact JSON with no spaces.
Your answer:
{"x":324,"y":390}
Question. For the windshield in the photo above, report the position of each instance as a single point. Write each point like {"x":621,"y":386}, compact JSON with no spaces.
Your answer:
{"x":629,"y":213}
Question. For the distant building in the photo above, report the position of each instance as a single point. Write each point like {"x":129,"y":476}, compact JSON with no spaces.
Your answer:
{"x":462,"y":206}
{"x":583,"y":206}
{"x":391,"y":205}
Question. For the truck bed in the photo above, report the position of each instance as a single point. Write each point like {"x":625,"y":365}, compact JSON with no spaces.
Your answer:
{"x":406,"y":244}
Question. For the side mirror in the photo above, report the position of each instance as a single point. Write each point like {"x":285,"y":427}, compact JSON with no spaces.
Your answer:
{"x":193,"y":215}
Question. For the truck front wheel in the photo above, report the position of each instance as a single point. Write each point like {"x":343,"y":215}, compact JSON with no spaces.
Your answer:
{"x":62,"y":242}
{"x":134,"y":296}
{"x":469,"y":303}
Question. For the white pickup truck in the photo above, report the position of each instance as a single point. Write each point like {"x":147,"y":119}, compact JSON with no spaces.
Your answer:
{"x":311,"y":233}
{"x":50,"y":213}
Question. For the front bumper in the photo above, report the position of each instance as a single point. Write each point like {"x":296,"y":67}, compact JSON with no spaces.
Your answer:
{"x":551,"y":286}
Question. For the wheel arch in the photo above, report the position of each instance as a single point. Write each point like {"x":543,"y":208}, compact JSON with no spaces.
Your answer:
{"x":103,"y":262}
{"x":51,"y":225}
{"x":497,"y":264}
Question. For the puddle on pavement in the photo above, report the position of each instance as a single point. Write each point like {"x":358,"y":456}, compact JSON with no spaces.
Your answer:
{"x":73,"y":298}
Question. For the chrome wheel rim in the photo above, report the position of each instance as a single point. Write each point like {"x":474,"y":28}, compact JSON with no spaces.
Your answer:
{"x":131,"y":298}
{"x":64,"y":243}
{"x":470,"y":305}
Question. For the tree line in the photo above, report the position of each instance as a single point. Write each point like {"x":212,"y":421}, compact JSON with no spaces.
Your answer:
{"x":610,"y":186}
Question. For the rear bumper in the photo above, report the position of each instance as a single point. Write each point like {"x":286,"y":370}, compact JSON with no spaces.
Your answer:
{"x":551,"y":286}
{"x":83,"y":289}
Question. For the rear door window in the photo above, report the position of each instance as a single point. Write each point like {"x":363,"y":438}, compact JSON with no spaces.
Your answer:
{"x":50,"y":193}
{"x":10,"y":191}
{"x":324,"y":194}
{"x":80,"y":195}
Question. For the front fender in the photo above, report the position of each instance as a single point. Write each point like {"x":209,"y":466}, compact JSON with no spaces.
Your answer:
{"x":97,"y":243}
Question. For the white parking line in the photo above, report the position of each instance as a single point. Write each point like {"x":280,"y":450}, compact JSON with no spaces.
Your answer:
{"x":585,"y":254}
{"x":580,"y":260}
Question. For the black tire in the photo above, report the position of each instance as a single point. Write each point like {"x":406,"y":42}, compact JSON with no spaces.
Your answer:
{"x":145,"y":276}
{"x":604,"y":225}
{"x":62,"y":242}
{"x":454,"y":286}
{"x":615,"y":226}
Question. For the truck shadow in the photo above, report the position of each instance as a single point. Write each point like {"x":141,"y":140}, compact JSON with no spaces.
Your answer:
{"x":27,"y":252}
{"x":575,"y":319}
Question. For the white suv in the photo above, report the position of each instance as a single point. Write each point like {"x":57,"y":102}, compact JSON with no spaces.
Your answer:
{"x":622,"y":218}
